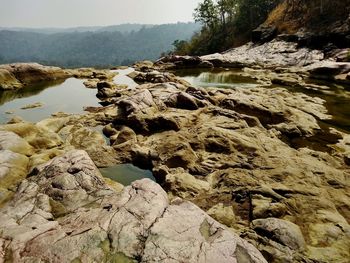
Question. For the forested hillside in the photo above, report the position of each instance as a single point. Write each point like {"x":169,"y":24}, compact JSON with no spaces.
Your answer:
{"x":318,"y":16}
{"x":226,"y":23}
{"x":101,"y":47}
{"x":230,"y":23}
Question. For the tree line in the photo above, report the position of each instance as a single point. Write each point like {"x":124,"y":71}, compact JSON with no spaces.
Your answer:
{"x":226,"y":23}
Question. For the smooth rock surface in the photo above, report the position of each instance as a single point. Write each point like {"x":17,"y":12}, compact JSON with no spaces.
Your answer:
{"x":282,"y":231}
{"x":28,"y":73}
{"x":11,"y":141}
{"x":65,"y":212}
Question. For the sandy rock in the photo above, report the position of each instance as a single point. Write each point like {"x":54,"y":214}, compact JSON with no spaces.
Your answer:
{"x":36,"y":136}
{"x":140,"y":101}
{"x":91,"y":141}
{"x":13,"y":168}
{"x":264,"y":207}
{"x":282,"y":231}
{"x":46,"y":155}
{"x":222,"y":213}
{"x":335,"y":235}
{"x":155,"y":77}
{"x":236,"y":149}
{"x":143,"y":65}
{"x":91,"y":83}
{"x":136,"y":224}
{"x":8,"y":81}
{"x":286,"y":81}
{"x":29,"y":73}
{"x":92,"y":74}
{"x":184,"y":62}
{"x":123,"y":135}
{"x":107,"y":89}
{"x":15,"y":119}
{"x":185,"y":185}
{"x":11,"y":141}
{"x":53,"y":124}
{"x":32,"y":106}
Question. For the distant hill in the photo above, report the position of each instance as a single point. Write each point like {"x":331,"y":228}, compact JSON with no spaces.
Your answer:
{"x":91,"y":46}
{"x":123,"y":28}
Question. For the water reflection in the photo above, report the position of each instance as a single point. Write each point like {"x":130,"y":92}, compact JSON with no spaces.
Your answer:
{"x":69,"y":96}
{"x":123,"y":79}
{"x":219,"y":78}
{"x":126,"y":173}
{"x":9,"y":95}
{"x":337,"y":97}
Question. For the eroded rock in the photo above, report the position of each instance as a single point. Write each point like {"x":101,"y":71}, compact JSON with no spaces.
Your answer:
{"x":282,"y":231}
{"x":29,"y":73}
{"x":138,"y":224}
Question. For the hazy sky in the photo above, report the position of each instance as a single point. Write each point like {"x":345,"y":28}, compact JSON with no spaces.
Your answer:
{"x":70,"y":13}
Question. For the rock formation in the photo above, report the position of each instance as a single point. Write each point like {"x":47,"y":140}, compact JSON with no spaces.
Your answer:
{"x":64,"y":212}
{"x":230,"y":152}
{"x":244,"y":156}
{"x":14,"y":76}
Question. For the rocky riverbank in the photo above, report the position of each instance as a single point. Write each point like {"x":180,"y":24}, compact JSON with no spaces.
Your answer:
{"x":229,"y":152}
{"x":65,"y":212}
{"x":20,"y":75}
{"x":279,"y":56}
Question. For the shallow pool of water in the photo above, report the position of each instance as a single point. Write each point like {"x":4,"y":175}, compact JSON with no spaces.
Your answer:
{"x":126,"y":173}
{"x":219,"y":78}
{"x":123,"y":79}
{"x":69,"y":96}
{"x":337,"y":97}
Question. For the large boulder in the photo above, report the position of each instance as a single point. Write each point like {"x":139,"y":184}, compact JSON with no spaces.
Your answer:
{"x":13,"y":168}
{"x":11,"y":141}
{"x":36,"y":135}
{"x":285,"y":232}
{"x":66,"y":212}
{"x":91,"y":141}
{"x":328,"y":69}
{"x":28,"y":73}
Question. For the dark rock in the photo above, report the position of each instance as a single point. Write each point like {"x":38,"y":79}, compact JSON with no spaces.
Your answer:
{"x":263,"y":34}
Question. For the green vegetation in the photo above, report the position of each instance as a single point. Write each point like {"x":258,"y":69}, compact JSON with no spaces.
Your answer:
{"x":103,"y":47}
{"x":226,"y":23}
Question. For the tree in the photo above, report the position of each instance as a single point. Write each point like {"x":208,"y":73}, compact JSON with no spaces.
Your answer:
{"x":206,"y":13}
{"x":227,"y":10}
{"x":180,"y":46}
{"x":226,"y":23}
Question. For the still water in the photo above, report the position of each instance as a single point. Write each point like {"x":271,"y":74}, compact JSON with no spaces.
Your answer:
{"x":218,"y":78}
{"x":126,"y":173}
{"x":123,"y":79}
{"x":337,"y":97}
{"x":69,"y":96}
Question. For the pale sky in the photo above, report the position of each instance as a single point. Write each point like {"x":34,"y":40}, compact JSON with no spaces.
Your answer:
{"x":72,"y":13}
